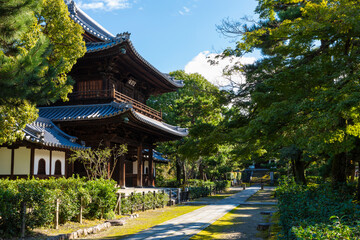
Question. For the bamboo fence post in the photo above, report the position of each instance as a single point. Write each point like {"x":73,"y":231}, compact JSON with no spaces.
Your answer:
{"x":57,"y":214}
{"x":131,"y":198}
{"x":162,"y":203}
{"x":178,"y":196}
{"x":81,"y":210}
{"x":119,"y":206}
{"x":170,"y":197}
{"x":154,"y":203}
{"x":23,"y":219}
{"x":143,"y":205}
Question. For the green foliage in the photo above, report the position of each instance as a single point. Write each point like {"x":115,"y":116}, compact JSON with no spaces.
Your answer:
{"x":135,"y":202}
{"x":198,"y":107}
{"x":304,"y":209}
{"x":96,"y":161}
{"x":98,"y":198}
{"x":199,"y":188}
{"x":39,"y":44}
{"x":303,"y":94}
{"x":336,"y":230}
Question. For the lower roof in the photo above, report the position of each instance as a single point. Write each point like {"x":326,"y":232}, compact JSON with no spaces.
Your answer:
{"x":45,"y":132}
{"x":103,"y":111}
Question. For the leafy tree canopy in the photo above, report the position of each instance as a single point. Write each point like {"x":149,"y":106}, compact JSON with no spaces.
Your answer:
{"x":39,"y":44}
{"x":304,"y":93}
{"x":197,"y":106}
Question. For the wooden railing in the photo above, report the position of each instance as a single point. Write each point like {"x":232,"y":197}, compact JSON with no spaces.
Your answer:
{"x":138,"y":106}
{"x":118,"y":97}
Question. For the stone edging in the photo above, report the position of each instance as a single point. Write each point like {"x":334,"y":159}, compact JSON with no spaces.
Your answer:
{"x":92,"y":230}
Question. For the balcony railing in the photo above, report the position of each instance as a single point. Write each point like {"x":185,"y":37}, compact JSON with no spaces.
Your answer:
{"x":118,"y":97}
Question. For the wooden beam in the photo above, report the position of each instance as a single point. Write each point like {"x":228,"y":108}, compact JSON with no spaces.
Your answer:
{"x":151,"y":168}
{"x":140,"y":167}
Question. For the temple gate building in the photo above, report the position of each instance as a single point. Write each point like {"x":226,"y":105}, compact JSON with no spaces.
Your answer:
{"x":107,"y":106}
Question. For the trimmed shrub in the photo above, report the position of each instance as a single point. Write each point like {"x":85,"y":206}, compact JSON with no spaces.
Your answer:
{"x":136,"y":201}
{"x":310,"y":209}
{"x":99,"y":199}
{"x":199,"y":188}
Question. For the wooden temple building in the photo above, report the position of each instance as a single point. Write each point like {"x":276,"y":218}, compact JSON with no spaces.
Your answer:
{"x":107,"y":106}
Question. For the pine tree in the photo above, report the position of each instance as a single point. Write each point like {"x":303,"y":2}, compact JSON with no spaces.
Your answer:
{"x":30,"y":74}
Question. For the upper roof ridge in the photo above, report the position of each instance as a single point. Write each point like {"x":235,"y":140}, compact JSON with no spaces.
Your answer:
{"x":89,"y":24}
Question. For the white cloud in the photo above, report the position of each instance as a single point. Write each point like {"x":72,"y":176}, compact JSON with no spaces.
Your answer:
{"x":184,"y":11}
{"x":107,"y":5}
{"x":214,"y":73}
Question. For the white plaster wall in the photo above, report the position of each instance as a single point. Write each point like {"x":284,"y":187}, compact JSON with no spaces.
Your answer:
{"x":135,"y":167}
{"x":45,"y":154}
{"x":22,"y":157}
{"x":146,"y":165}
{"x":57,"y":155}
{"x":5,"y":161}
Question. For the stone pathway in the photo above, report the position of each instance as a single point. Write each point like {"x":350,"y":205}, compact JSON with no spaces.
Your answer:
{"x":187,"y":225}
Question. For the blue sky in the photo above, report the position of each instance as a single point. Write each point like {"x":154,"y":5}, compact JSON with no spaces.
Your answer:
{"x":170,"y":33}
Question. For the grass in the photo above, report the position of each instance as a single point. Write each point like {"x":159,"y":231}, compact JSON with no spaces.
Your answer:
{"x":68,"y":227}
{"x":155,"y":217}
{"x":145,"y":221}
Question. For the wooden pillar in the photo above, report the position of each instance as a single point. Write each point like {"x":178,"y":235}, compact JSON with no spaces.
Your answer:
{"x":50,"y":169}
{"x":140,"y":167}
{"x":12,"y":163}
{"x":32,"y":161}
{"x":122,"y":173}
{"x":151,"y":168}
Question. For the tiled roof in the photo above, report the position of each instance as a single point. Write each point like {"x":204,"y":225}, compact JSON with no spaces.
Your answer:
{"x":94,"y":28}
{"x":158,"y":157}
{"x":45,"y":132}
{"x":100,"y":111}
{"x":83,"y":112}
{"x":121,"y":38}
{"x":88,"y":24}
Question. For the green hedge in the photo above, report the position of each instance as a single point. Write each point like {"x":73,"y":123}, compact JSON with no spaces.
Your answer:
{"x":317,"y":211}
{"x":199,"y":188}
{"x":136,"y":202}
{"x":98,"y":197}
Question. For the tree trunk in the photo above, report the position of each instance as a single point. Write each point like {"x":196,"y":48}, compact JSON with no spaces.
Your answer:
{"x":201,"y":171}
{"x":338,"y":169}
{"x":300,"y":170}
{"x":184,"y":173}
{"x":358,"y":184}
{"x":178,"y":170}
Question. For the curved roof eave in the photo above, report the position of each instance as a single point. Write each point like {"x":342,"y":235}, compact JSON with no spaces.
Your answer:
{"x":102,"y":111}
{"x":175,"y":130}
{"x":43,"y":131}
{"x":87,"y":23}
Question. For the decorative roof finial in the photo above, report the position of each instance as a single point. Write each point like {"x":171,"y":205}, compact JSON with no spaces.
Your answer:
{"x":123,"y":36}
